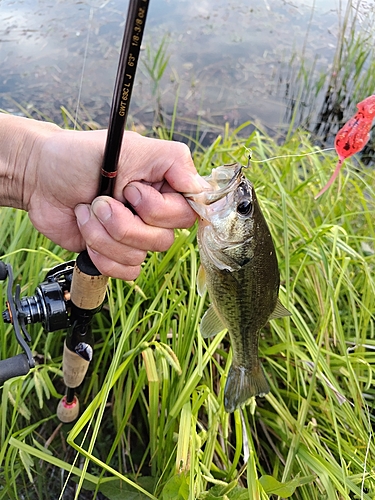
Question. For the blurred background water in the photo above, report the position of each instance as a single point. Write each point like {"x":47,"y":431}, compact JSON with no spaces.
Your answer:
{"x":273,"y":62}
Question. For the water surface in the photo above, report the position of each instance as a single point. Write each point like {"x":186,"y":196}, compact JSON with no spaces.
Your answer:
{"x":229,"y":61}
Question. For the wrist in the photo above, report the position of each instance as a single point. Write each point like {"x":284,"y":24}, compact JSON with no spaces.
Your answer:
{"x":21,"y":141}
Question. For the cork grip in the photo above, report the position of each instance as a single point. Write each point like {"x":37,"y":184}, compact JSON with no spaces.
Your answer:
{"x":87,"y":289}
{"x":74,"y":368}
{"x":67,"y":412}
{"x":87,"y":293}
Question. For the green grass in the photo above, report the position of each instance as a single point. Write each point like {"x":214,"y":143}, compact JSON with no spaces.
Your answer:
{"x":152,"y":422}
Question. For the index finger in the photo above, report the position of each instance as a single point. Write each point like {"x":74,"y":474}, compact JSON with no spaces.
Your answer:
{"x":166,"y":209}
{"x":182,"y":174}
{"x":153,"y":160}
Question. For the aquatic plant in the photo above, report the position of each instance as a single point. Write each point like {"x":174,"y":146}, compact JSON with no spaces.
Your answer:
{"x":322,"y":94}
{"x":351,"y":75}
{"x":155,"y":62}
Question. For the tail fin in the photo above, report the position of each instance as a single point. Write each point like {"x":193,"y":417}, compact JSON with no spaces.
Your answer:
{"x":243,"y":383}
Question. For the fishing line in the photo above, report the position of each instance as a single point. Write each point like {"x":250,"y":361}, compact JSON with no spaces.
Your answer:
{"x":91,"y":15}
{"x":89,"y":26}
{"x":73,"y":465}
{"x":289,"y":156}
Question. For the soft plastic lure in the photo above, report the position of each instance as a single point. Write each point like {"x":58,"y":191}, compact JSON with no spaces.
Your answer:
{"x":353,"y":136}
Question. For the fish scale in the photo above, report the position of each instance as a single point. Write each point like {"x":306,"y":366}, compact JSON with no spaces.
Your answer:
{"x":245,"y":299}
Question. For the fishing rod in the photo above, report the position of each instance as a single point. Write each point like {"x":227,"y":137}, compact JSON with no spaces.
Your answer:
{"x":74,"y":292}
{"x":88,"y":285}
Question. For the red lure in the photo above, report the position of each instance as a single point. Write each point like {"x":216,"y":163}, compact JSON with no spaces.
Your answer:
{"x":353,"y":136}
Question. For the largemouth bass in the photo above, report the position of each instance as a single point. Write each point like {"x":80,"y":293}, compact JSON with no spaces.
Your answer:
{"x":240,"y":271}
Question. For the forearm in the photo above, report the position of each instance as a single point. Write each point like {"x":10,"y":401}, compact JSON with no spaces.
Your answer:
{"x":20,"y":141}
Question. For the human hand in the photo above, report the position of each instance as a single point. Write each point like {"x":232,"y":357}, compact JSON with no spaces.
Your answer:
{"x":61,"y":181}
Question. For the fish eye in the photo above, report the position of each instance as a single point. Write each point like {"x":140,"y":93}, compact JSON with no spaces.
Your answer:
{"x":244,"y":207}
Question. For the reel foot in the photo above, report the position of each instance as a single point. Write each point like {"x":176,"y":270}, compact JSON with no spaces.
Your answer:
{"x":67,"y":412}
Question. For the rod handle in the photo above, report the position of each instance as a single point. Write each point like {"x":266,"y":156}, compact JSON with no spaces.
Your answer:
{"x":74,"y":368}
{"x":88,"y":285}
{"x":67,"y":412}
{"x":87,"y":293}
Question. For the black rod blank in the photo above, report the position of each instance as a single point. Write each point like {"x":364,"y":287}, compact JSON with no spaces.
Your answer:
{"x":129,"y":55}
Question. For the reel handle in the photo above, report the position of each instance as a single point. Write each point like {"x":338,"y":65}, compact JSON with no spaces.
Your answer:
{"x":14,"y":367}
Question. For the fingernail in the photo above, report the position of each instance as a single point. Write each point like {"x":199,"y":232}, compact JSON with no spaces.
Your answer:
{"x":132,"y":195}
{"x":82,"y":213}
{"x":101,"y":209}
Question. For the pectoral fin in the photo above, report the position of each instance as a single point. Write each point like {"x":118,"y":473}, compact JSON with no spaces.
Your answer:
{"x":201,"y":281}
{"x":280,"y":311}
{"x":211,"y":324}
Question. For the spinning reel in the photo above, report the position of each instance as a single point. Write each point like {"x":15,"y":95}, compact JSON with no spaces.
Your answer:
{"x":48,"y":306}
{"x":57,"y":305}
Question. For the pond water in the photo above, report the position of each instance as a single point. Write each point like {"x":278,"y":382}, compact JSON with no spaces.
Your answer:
{"x":229,"y":61}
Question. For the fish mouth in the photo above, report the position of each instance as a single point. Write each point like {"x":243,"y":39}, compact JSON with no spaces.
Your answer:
{"x":215,"y":179}
{"x":222,"y":192}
